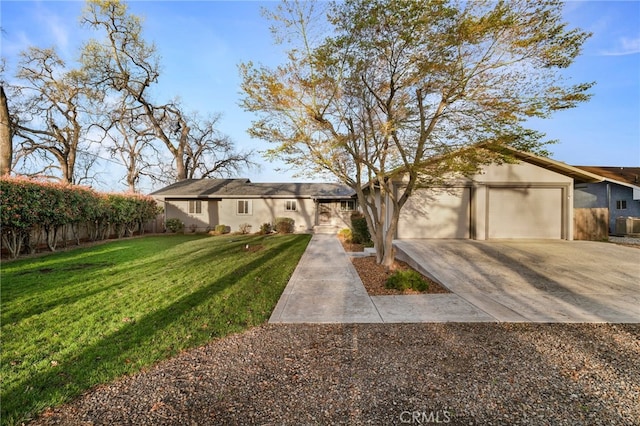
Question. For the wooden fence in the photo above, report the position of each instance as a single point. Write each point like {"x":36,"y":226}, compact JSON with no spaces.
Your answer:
{"x":591,"y":224}
{"x":69,"y":237}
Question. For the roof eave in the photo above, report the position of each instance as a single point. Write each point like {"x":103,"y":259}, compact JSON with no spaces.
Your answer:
{"x":577,"y":174}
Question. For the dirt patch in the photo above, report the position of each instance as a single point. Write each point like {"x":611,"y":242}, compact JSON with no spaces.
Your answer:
{"x":76,"y":267}
{"x":351,"y":247}
{"x":83,"y":266}
{"x":374,"y":276}
{"x":252,"y":248}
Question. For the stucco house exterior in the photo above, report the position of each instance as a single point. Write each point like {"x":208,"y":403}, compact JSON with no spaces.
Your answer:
{"x":201,"y":204}
{"x":619,"y":191}
{"x":533,"y":198}
{"x":530,"y":199}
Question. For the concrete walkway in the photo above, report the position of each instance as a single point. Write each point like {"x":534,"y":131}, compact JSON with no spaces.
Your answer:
{"x":325,"y":288}
{"x":515,"y":281}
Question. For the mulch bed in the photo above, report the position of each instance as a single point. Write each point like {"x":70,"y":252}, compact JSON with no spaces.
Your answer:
{"x":374,"y":276}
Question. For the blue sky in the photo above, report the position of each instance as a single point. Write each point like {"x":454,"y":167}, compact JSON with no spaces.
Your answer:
{"x":202,"y":42}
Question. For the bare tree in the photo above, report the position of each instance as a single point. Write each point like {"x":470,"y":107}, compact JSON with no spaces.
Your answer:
{"x":6,"y":129}
{"x":53,"y":112}
{"x":6,"y":139}
{"x":210,"y":153}
{"x":131,"y":141}
{"x":125,"y":63}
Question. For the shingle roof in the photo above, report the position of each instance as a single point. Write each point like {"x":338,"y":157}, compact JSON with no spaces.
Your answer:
{"x":234,"y":188}
{"x":630,"y":175}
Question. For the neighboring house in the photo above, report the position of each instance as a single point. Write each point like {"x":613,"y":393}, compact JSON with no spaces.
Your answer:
{"x":201,"y":204}
{"x":531,"y":199}
{"x":619,"y":192}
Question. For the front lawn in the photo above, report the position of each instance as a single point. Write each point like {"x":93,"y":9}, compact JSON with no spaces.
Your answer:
{"x":76,"y":319}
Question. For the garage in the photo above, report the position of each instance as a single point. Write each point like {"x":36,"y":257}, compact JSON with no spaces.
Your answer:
{"x":529,"y":199}
{"x":436,"y":213}
{"x":525,"y":212}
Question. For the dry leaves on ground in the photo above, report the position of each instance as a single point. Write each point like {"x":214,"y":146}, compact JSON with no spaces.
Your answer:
{"x":374,"y":276}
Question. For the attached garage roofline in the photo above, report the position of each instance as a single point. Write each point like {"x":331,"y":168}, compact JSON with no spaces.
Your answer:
{"x":580,"y":176}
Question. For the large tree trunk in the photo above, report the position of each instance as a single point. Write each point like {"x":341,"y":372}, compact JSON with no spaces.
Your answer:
{"x":6,"y":147}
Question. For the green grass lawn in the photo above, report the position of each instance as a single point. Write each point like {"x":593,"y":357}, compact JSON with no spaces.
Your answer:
{"x":76,"y":319}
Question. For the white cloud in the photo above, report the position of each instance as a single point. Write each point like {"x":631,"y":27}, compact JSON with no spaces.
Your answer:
{"x":625,"y":46}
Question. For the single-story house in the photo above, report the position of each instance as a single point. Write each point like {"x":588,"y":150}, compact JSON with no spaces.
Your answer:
{"x":201,"y":204}
{"x":619,"y":191}
{"x":530,"y":199}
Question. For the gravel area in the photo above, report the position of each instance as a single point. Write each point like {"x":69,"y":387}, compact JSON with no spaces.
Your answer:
{"x":628,"y":241}
{"x":538,"y":374}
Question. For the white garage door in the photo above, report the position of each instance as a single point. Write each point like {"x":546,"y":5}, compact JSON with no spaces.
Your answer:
{"x":436,"y":213}
{"x":525,"y":213}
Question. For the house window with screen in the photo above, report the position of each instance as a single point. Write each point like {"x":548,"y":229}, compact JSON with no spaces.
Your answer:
{"x":195,"y":206}
{"x":621,"y":204}
{"x":347,"y":205}
{"x":290,"y":206}
{"x":244,"y":207}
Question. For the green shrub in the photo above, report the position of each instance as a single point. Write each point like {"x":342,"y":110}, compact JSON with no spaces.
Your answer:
{"x":266,"y":228}
{"x":174,"y":225}
{"x":409,"y":279}
{"x":221,"y":229}
{"x":360,"y":230}
{"x":284,"y":225}
{"x":346,"y":235}
{"x":31,"y":207}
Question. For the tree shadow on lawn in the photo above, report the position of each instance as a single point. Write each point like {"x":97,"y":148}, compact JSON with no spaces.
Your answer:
{"x":115,"y":354}
{"x":67,"y":293}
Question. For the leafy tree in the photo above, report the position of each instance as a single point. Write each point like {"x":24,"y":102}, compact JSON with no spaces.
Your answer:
{"x":399,"y":94}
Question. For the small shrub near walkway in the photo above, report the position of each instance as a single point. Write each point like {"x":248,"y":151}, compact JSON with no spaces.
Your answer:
{"x":409,"y":279}
{"x":73,"y":320}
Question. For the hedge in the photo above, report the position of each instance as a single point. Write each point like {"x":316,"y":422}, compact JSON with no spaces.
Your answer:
{"x":30,"y":208}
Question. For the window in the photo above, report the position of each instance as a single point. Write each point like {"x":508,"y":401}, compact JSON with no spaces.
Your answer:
{"x":244,"y":207}
{"x":621,"y":204}
{"x":290,"y":206}
{"x":347,"y":205}
{"x":195,"y":206}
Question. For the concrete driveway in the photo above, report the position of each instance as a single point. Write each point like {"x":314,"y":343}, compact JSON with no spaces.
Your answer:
{"x":535,"y":281}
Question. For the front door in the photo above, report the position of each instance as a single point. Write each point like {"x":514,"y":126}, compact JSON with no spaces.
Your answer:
{"x":324,"y":214}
